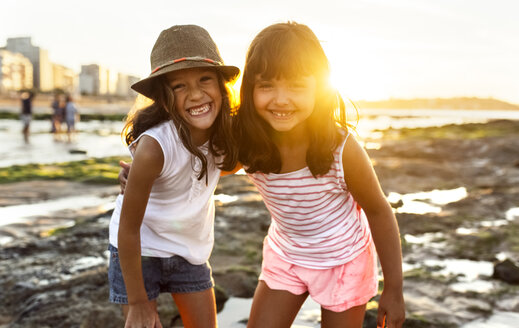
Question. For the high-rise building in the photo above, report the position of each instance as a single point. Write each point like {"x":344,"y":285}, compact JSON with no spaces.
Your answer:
{"x":124,"y":83}
{"x":92,"y":80}
{"x":16,"y":72}
{"x":64,"y":78}
{"x":42,"y":67}
{"x":99,"y":81}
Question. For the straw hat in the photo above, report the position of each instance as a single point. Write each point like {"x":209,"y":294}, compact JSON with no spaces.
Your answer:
{"x":180,"y":47}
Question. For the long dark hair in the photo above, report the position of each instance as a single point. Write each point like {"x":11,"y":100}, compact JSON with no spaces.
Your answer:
{"x":288,"y":50}
{"x":221,"y":139}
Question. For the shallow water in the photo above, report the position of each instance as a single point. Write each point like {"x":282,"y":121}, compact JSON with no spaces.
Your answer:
{"x":470,"y":274}
{"x":237,"y":309}
{"x":96,"y":138}
{"x":41,"y":217}
{"x":23,"y":213}
{"x":427,"y":202}
{"x":380,"y":119}
{"x":102,"y":138}
{"x":497,"y":320}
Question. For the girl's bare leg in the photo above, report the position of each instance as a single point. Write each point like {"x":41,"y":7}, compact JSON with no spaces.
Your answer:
{"x":351,"y":318}
{"x":274,"y":308}
{"x":198,"y":310}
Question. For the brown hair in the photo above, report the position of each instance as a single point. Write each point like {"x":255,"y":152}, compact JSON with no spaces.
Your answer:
{"x":221,"y":141}
{"x":288,"y":50}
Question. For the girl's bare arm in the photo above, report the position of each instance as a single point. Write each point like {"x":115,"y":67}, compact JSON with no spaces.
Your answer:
{"x":365,"y":188}
{"x":146,"y":167}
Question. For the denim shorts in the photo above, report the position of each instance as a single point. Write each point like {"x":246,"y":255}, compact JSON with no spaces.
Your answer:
{"x":161,"y":275}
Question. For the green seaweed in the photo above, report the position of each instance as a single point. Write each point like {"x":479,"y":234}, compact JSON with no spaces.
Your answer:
{"x":94,"y":170}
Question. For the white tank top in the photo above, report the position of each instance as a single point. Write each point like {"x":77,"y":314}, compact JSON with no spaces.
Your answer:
{"x":316,"y":223}
{"x":179,"y":217}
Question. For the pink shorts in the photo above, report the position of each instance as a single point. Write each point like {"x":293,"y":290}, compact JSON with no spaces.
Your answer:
{"x":336,"y":289}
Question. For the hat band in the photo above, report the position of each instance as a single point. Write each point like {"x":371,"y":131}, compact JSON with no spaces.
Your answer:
{"x":199,"y":59}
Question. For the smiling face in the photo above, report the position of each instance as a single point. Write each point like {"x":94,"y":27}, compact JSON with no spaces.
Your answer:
{"x":284,"y":103}
{"x":198,"y":98}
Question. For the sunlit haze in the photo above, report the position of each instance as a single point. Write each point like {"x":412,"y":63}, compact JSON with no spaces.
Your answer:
{"x":377,"y":49}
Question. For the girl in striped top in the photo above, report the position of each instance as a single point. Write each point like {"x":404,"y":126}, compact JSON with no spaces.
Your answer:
{"x":318,"y":183}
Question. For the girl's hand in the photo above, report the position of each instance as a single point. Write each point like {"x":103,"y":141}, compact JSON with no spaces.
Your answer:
{"x":391,"y":309}
{"x":143,"y":316}
{"x":123,"y":174}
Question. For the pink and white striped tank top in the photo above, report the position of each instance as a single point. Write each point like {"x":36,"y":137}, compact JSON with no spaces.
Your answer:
{"x":316,"y":223}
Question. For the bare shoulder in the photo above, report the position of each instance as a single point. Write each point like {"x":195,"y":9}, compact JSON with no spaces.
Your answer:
{"x":353,"y":154}
{"x":361,"y":178}
{"x":148,"y":154}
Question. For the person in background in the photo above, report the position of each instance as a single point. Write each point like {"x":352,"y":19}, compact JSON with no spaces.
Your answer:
{"x":26,"y":113}
{"x":71,"y":118}
{"x":58,"y":112}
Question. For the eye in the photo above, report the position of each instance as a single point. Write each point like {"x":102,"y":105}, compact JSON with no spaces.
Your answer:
{"x":206,"y":78}
{"x":297,"y":84}
{"x":177,"y":87}
{"x":264,"y":85}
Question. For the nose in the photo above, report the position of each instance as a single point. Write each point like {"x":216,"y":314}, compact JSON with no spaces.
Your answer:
{"x":195,"y":92}
{"x":281,"y":97}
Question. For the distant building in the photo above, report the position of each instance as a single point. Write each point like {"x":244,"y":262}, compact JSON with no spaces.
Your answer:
{"x":42,"y":67}
{"x":64,"y":78}
{"x":96,"y":80}
{"x":93,"y":80}
{"x":90,"y":80}
{"x":113,"y":80}
{"x":124,"y":83}
{"x":99,"y":81}
{"x":16,"y":72}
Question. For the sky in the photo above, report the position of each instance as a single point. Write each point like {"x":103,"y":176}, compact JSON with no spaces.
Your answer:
{"x":377,"y":49}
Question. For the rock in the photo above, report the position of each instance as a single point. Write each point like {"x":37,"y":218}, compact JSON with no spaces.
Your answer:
{"x":77,"y":151}
{"x":221,"y":297}
{"x":237,"y":283}
{"x":397,"y":204}
{"x":506,"y":271}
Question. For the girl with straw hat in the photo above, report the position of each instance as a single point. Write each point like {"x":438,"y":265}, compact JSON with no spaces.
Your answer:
{"x":161,"y":231}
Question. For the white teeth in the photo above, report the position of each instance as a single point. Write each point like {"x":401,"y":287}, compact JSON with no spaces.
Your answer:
{"x":199,"y":110}
{"x":281,"y":114}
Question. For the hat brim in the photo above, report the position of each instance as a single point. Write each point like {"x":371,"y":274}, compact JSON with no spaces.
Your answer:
{"x":145,"y":86}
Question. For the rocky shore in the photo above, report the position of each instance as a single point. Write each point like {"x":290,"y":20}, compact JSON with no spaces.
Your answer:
{"x":459,"y":255}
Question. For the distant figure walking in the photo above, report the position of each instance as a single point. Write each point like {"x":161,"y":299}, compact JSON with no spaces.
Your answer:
{"x":58,"y":113}
{"x":26,"y":114}
{"x":71,"y":117}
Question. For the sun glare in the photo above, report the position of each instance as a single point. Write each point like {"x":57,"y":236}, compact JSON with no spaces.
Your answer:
{"x":356,"y":77}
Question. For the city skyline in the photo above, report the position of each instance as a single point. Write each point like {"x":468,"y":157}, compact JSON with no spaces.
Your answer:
{"x":24,"y":65}
{"x":377,"y":49}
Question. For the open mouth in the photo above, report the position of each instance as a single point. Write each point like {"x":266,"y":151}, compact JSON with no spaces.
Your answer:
{"x":199,"y":110}
{"x":282,"y":114}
